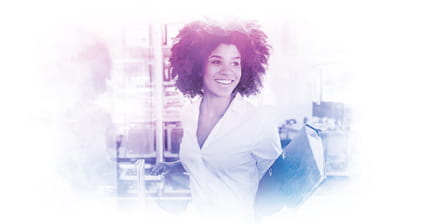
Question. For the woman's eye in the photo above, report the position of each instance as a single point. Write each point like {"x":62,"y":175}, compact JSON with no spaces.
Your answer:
{"x":216,"y":62}
{"x":236,"y":63}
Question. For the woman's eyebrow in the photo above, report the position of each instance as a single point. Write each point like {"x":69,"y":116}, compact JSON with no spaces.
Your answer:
{"x":220,"y":57}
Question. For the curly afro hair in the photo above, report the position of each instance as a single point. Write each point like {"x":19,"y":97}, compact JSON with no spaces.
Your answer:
{"x":198,"y":39}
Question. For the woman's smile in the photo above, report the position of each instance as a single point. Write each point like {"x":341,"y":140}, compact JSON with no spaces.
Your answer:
{"x":224,"y":81}
{"x":222,"y":71}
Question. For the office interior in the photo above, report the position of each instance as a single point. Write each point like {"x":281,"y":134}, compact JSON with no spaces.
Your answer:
{"x":307,"y":81}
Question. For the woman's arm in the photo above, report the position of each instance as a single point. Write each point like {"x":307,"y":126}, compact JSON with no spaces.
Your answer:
{"x":267,"y":147}
{"x":167,"y":167}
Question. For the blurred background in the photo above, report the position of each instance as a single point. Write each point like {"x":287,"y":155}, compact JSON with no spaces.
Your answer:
{"x":95,"y":108}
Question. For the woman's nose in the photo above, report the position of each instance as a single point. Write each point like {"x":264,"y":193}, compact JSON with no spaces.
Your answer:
{"x":225,"y":69}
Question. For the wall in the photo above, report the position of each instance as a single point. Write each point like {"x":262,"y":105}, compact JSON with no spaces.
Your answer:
{"x":302,"y":50}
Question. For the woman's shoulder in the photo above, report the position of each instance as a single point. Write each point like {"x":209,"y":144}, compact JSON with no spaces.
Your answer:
{"x":261,"y":117}
{"x":266,"y":117}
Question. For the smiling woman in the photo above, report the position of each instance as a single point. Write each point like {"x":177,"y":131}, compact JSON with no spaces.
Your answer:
{"x":222,"y":71}
{"x":195,"y":43}
{"x":228,"y":144}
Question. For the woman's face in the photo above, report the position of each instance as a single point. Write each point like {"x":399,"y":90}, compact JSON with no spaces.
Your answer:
{"x":222,"y":71}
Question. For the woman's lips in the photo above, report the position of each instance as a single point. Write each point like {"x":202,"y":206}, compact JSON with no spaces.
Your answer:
{"x":224,"y":81}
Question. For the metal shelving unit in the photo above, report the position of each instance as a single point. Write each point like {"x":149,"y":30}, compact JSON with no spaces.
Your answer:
{"x":146,"y":113}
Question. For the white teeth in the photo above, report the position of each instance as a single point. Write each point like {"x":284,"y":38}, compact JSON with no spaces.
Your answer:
{"x":224,"y":81}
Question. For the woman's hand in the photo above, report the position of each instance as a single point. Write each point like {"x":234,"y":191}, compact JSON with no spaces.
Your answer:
{"x":166,"y":167}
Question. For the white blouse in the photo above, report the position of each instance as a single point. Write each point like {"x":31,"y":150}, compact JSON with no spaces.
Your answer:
{"x":225,"y":173}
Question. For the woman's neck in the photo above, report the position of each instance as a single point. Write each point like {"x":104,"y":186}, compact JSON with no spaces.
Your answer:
{"x":215,"y":106}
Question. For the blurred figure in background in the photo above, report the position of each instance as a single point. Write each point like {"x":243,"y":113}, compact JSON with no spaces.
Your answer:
{"x":74,"y":77}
